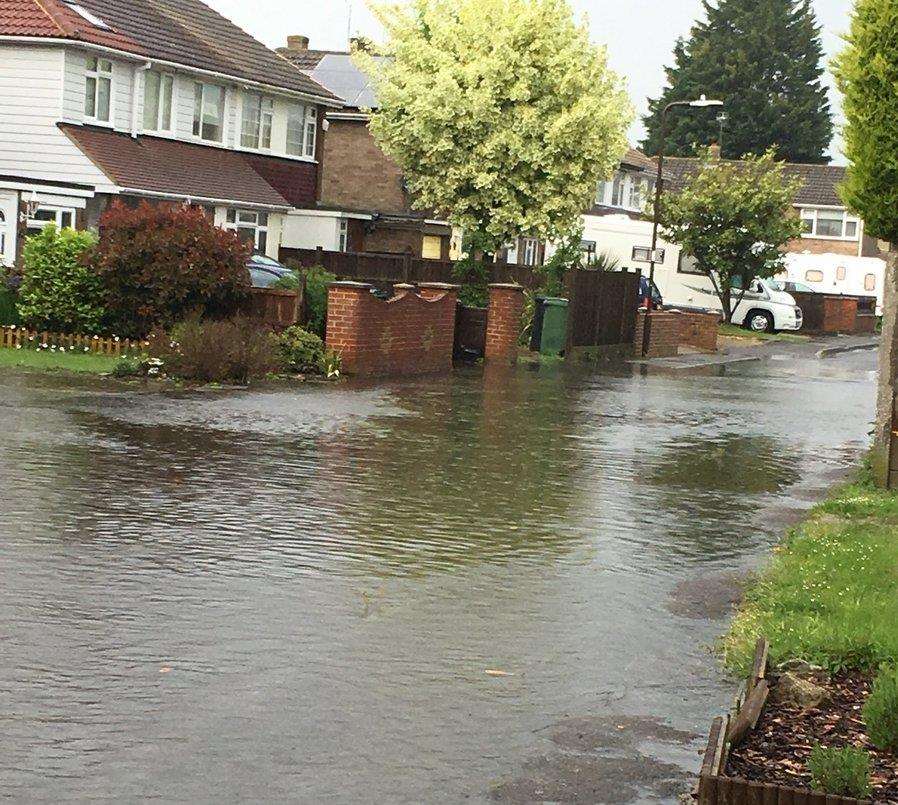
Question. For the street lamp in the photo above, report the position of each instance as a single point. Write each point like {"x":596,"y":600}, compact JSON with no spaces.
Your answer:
{"x":699,"y":103}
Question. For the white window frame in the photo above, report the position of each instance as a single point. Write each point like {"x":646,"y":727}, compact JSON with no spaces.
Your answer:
{"x":529,"y":251}
{"x":99,"y":74}
{"x":810,"y":215}
{"x":3,"y":231}
{"x":197,"y":125}
{"x":264,"y":122}
{"x":160,"y":127}
{"x":343,"y":235}
{"x":257,"y":221}
{"x":39,"y":223}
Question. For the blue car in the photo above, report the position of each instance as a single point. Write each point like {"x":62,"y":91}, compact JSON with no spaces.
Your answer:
{"x":644,"y":294}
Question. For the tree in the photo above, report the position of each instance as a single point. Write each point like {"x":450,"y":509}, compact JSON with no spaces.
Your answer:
{"x":762,"y":58}
{"x":501,"y":114}
{"x":867,"y":74}
{"x":733,"y":218}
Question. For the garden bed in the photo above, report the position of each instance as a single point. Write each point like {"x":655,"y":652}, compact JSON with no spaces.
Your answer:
{"x":778,"y":749}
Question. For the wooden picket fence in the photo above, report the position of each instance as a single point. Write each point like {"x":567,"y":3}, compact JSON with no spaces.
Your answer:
{"x":20,"y":337}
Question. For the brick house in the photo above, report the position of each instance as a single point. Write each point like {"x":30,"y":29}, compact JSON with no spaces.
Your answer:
{"x":363,"y":202}
{"x":163,"y":100}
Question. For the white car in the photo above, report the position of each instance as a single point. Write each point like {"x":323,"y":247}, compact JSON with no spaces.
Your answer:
{"x":764,"y":309}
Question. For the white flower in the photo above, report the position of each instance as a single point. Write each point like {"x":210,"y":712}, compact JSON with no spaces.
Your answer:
{"x":18,"y":346}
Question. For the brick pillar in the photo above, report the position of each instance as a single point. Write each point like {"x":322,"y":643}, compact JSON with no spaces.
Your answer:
{"x":346,"y":303}
{"x":503,"y":322}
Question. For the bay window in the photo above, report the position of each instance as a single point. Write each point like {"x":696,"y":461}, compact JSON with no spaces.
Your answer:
{"x":157,"y":101}
{"x":208,"y":111}
{"x":302,"y":128}
{"x":98,"y":89}
{"x":250,"y":226}
{"x":258,"y":113}
{"x":820,"y":222}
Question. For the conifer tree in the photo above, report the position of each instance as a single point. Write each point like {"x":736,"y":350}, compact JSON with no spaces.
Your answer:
{"x":762,"y":58}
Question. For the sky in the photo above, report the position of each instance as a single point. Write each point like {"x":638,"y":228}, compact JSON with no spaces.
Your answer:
{"x":639,"y":34}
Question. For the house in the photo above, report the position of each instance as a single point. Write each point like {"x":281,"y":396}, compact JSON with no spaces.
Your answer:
{"x":364,"y":204}
{"x":162,"y":100}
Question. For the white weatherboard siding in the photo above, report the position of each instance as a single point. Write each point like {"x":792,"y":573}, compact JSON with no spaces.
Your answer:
{"x":31,"y":100}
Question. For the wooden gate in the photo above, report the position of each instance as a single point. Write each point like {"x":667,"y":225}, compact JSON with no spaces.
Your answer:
{"x":602,"y":308}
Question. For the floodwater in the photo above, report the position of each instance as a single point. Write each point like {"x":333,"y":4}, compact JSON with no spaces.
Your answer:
{"x":473,"y":588}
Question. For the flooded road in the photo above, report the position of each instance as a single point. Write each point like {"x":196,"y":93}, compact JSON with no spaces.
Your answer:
{"x":461,"y":589}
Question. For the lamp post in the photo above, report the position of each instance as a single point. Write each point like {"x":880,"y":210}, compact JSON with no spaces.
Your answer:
{"x":700,"y":103}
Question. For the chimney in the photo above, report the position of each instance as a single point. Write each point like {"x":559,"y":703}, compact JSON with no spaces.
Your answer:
{"x":297,"y":43}
{"x":714,"y":150}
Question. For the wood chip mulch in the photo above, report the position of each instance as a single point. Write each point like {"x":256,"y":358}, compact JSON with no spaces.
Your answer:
{"x":777,"y":750}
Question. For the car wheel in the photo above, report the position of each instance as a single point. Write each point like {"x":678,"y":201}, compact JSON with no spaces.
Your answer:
{"x":759,"y":321}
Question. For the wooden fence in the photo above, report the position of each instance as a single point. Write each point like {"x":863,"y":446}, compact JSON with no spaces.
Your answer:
{"x":19,"y":337}
{"x":380,"y":269}
{"x":470,"y":330}
{"x":602,"y":310}
{"x":275,"y":308}
{"x":715,"y":787}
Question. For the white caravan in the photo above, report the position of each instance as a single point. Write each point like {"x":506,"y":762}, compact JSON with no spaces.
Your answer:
{"x":837,"y":274}
{"x":628,"y":240}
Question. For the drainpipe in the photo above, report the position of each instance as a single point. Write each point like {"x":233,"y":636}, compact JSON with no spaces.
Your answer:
{"x":135,"y":89}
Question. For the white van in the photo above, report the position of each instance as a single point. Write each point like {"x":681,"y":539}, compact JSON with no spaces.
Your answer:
{"x":765,"y":309}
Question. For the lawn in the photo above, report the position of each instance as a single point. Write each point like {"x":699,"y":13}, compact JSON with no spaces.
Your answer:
{"x":734,"y":331}
{"x":46,"y":360}
{"x":830,"y":593}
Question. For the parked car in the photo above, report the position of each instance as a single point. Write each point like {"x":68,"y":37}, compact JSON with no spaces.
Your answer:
{"x":792,"y":287}
{"x":266,"y":271}
{"x":764,"y":308}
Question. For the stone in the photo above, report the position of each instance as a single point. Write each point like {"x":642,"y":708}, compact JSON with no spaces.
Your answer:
{"x":794,"y":691}
{"x":806,"y":670}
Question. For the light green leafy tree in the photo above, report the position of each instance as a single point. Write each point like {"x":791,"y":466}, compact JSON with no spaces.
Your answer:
{"x":867,"y":74}
{"x":501,"y":114}
{"x":733,"y":218}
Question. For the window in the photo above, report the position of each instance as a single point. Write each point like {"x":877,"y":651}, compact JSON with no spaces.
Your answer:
{"x":813,"y":275}
{"x":824,"y":223}
{"x":208,"y":112}
{"x":688,"y":265}
{"x":302,"y":128}
{"x":602,"y":192}
{"x":343,"y":236}
{"x":98,"y":89}
{"x":432,"y":247}
{"x":643,"y":254}
{"x":250,"y":226}
{"x":61,"y":217}
{"x":840,"y":273}
{"x":588,"y":252}
{"x":617,"y":190}
{"x":258,"y":113}
{"x":529,"y":251}
{"x":2,"y":233}
{"x":870,"y":282}
{"x":157,"y":101}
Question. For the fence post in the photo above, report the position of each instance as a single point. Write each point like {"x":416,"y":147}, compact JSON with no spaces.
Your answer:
{"x":407,"y":264}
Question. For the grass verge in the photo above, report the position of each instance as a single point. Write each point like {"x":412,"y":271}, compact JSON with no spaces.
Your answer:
{"x":830,"y":593}
{"x":45,"y":360}
{"x":733,"y":331}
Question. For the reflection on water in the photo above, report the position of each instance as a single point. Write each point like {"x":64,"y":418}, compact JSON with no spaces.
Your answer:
{"x":294,"y":593}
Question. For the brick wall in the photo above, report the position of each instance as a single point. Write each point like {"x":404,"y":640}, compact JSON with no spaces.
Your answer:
{"x":699,"y":330}
{"x":817,"y":246}
{"x":827,"y":313}
{"x":503,"y":322}
{"x":664,"y":334}
{"x":356,"y":174}
{"x":411,"y":333}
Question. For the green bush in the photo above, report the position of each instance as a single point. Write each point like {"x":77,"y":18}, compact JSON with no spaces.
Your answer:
{"x":234,"y":350}
{"x":9,"y":313}
{"x":302,"y":351}
{"x":317,"y":280}
{"x":60,"y":292}
{"x":126,"y":366}
{"x":881,"y":710}
{"x":845,"y":772}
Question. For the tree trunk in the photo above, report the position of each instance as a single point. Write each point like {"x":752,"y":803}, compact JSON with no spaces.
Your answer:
{"x":885,"y":447}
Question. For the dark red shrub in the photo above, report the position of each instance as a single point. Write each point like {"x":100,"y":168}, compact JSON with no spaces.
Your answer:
{"x":160,"y":263}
